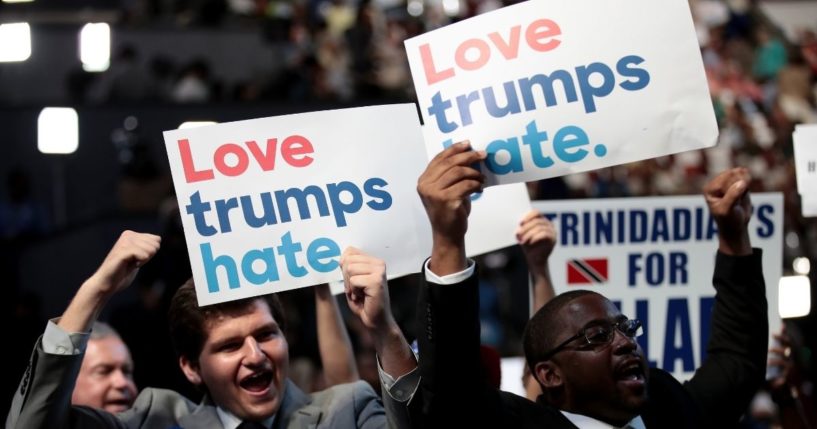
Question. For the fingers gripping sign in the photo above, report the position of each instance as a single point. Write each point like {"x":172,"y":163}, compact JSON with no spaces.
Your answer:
{"x":446,"y":185}
{"x":367,"y":294}
{"x":366,"y":290}
{"x":780,"y":356}
{"x":537,"y":236}
{"x":445,"y":188}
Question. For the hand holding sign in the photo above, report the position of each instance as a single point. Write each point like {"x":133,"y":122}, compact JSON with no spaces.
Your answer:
{"x":367,"y":294}
{"x":445,"y":188}
{"x":537,"y":236}
{"x":364,"y":278}
{"x":780,"y":357}
{"x":729,"y":204}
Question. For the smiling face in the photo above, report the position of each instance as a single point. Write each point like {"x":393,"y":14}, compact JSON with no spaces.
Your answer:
{"x":105,"y":379}
{"x":605,"y":381}
{"x":244,"y":362}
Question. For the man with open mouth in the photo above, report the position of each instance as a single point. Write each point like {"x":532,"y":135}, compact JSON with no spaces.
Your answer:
{"x":580,"y":348}
{"x":236,"y":352}
{"x":105,"y":378}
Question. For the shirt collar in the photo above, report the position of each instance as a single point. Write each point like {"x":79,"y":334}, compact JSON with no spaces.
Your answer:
{"x":584,"y":422}
{"x":230,"y":421}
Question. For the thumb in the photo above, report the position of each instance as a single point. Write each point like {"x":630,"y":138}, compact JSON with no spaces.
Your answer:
{"x":733,"y":193}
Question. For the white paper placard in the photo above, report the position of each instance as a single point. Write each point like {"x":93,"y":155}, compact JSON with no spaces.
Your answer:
{"x":552,"y":87}
{"x":269,"y":204}
{"x":804,"y":140}
{"x":808,"y":205}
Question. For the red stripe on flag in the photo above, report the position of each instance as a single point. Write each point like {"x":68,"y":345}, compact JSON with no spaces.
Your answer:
{"x":574,"y":276}
{"x":577,"y":271}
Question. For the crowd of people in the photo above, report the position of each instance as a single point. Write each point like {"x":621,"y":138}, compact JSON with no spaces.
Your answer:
{"x":581,"y":350}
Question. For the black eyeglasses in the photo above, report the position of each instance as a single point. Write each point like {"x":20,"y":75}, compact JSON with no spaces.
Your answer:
{"x":600,"y":334}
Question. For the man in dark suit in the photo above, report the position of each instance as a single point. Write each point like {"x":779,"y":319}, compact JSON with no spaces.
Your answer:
{"x":235,"y":351}
{"x":580,"y":348}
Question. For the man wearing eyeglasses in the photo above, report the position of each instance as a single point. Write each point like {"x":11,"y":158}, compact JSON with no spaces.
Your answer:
{"x":580,"y":348}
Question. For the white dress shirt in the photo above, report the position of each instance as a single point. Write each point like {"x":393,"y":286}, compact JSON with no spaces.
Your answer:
{"x":584,"y":422}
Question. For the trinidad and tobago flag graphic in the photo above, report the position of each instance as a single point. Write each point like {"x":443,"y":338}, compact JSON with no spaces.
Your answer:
{"x":587,"y":271}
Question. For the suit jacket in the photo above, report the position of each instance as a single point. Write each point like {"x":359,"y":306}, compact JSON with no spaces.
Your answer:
{"x":44,"y":395}
{"x":452,"y":391}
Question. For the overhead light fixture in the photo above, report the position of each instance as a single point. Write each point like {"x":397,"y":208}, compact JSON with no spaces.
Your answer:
{"x":801,"y":265}
{"x":794,"y":296}
{"x":415,"y":7}
{"x":451,"y":7}
{"x":195,"y":124}
{"x":95,"y":47}
{"x":15,"y":42}
{"x":58,"y":130}
{"x":17,"y":1}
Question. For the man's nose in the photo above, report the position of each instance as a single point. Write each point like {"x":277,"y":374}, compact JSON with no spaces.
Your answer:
{"x":122,"y":381}
{"x":253,"y":355}
{"x":623,"y":343}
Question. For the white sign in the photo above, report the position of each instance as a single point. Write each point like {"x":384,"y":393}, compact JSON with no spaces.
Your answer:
{"x":552,"y":87}
{"x":512,"y":369}
{"x":495,"y":216}
{"x":808,"y":205}
{"x":804,"y":140}
{"x":656,"y":256}
{"x":269,"y":204}
{"x":495,"y":212}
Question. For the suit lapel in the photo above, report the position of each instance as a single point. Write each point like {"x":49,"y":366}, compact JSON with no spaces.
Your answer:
{"x":204,"y":416}
{"x":295,"y":410}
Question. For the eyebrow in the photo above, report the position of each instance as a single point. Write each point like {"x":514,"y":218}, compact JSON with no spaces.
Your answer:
{"x":102,"y":365}
{"x":107,"y":367}
{"x":272,"y":325}
{"x":617,"y":319}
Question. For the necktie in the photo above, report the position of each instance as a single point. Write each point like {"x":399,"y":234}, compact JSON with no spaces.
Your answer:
{"x":251,"y":425}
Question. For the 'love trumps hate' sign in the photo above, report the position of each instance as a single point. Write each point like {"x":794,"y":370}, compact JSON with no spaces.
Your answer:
{"x":269,"y":204}
{"x":552,"y":87}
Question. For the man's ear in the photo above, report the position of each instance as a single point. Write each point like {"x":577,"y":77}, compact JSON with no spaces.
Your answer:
{"x":548,"y":374}
{"x":190,"y":370}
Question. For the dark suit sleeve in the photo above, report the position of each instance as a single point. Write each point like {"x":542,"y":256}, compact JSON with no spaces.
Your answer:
{"x":452,"y":391}
{"x":736,"y":353}
{"x":43,"y":398}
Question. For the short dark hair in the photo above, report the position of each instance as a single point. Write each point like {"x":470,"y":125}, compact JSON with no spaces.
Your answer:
{"x":188,"y":321}
{"x":541,"y":331}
